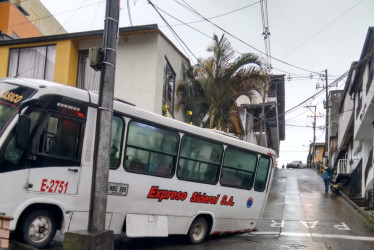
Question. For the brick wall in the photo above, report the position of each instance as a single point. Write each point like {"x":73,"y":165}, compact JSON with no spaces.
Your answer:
{"x":4,"y":231}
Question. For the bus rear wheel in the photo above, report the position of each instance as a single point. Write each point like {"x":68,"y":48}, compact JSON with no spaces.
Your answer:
{"x":198,"y":230}
{"x":38,"y":228}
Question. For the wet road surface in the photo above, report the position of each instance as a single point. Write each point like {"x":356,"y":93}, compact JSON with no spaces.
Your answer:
{"x":299,"y":215}
{"x":299,"y":212}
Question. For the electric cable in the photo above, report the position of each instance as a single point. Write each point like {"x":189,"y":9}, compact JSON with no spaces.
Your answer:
{"x":128,"y":11}
{"x":173,"y":31}
{"x":325,"y":27}
{"x":221,"y":15}
{"x":194,"y":11}
{"x":76,"y":11}
{"x":206,"y":35}
{"x":93,"y":20}
{"x":60,"y":13}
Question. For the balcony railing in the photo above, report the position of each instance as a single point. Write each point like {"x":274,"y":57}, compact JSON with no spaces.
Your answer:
{"x":342,"y":167}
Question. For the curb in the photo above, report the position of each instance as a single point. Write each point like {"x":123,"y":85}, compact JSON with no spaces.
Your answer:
{"x":365,"y":215}
{"x":19,"y":246}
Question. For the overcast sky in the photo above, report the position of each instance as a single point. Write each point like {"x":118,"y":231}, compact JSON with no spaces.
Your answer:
{"x":310,"y":34}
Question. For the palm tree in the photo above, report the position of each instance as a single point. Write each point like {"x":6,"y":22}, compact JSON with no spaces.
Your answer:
{"x":211,"y":87}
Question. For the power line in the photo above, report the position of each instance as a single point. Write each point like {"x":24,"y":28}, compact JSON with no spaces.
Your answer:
{"x":129,"y":12}
{"x":64,"y":12}
{"x":325,"y":27}
{"x":194,"y":11}
{"x":306,"y":77}
{"x":93,"y":20}
{"x":213,"y":17}
{"x":173,"y":31}
{"x":344,"y":75}
{"x":76,"y":11}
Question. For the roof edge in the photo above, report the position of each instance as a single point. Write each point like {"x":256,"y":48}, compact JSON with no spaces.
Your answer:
{"x":145,"y":28}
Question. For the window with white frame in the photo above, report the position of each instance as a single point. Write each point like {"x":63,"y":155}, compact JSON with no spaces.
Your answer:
{"x":169,"y":86}
{"x":33,"y":62}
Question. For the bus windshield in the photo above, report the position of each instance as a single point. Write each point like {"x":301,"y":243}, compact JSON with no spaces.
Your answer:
{"x":7,"y":111}
{"x":10,"y":98}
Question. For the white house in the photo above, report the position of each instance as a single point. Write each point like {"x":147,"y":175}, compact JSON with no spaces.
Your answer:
{"x":362,"y":92}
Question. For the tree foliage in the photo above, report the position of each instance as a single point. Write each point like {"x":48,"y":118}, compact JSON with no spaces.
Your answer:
{"x":211,"y":87}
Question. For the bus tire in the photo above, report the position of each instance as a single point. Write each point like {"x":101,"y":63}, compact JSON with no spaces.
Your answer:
{"x":38,"y":228}
{"x":198,"y":230}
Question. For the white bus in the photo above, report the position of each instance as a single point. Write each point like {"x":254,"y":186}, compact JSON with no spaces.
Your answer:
{"x":166,"y":177}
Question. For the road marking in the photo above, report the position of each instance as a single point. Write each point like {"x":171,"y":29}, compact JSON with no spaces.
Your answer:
{"x":276,"y":224}
{"x":343,"y":226}
{"x":309,"y":224}
{"x":316,"y":235}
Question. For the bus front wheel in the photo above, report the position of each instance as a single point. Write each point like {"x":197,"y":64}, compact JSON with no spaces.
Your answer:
{"x":38,"y":228}
{"x":198,"y":230}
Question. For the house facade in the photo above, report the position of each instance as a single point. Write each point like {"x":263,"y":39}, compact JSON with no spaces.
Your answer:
{"x":346,"y":145}
{"x":356,"y":126}
{"x":362,"y":92}
{"x":264,"y":122}
{"x":148,"y":66}
{"x":335,"y":97}
{"x":22,"y":19}
{"x":315,"y":155}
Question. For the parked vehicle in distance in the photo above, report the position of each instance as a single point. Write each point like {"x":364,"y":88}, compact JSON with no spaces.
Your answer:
{"x":295,"y":164}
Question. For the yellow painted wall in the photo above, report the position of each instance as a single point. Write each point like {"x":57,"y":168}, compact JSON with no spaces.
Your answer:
{"x":319,"y":155}
{"x":66,"y":62}
{"x":4,"y":59}
{"x":66,"y":66}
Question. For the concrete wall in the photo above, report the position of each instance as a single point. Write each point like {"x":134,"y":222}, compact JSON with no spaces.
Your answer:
{"x":140,"y":68}
{"x":165,"y":49}
{"x":136,"y":79}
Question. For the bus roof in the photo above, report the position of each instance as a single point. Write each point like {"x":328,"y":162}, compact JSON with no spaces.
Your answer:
{"x":46,"y":87}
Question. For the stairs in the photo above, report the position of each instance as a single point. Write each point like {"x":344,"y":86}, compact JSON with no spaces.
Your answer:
{"x":355,"y":198}
{"x":359,"y":201}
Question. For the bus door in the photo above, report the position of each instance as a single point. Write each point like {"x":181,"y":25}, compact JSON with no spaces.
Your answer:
{"x":55,"y":154}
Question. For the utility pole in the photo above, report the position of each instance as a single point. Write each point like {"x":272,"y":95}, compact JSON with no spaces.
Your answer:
{"x":96,"y":237}
{"x":104,"y":120}
{"x":327,"y":121}
{"x":314,"y":131}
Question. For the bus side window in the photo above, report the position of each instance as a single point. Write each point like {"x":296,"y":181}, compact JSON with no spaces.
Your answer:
{"x":151,"y":150}
{"x":200,"y":160}
{"x":116,"y":142}
{"x":61,"y":138}
{"x":262,"y":174}
{"x":238,"y":168}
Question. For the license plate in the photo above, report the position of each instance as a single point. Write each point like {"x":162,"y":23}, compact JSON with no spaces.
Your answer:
{"x":118,"y":189}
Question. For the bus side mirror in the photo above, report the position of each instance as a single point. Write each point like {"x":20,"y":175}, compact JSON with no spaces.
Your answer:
{"x":23,"y":132}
